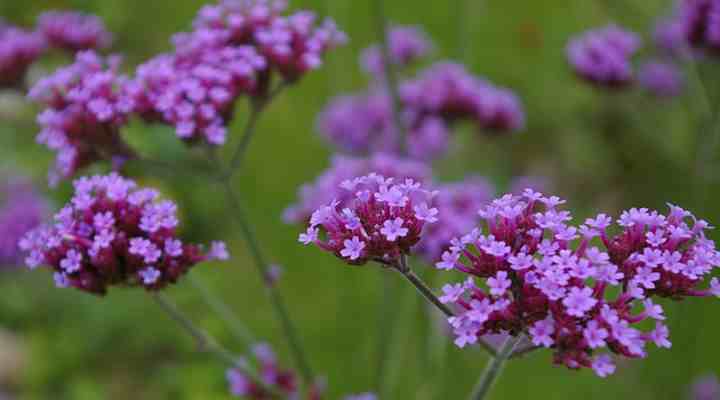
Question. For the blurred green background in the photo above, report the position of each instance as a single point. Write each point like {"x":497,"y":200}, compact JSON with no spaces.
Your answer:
{"x":602,"y":151}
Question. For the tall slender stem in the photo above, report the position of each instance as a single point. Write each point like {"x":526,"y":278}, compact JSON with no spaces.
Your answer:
{"x":428,"y":294}
{"x":275,"y":297}
{"x":390,"y":78}
{"x":239,"y":330}
{"x":493,"y":369}
{"x":207,"y":343}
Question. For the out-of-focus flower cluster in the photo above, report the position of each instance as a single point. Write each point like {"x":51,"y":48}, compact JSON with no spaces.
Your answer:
{"x":270,"y":372}
{"x":86,"y":104}
{"x":706,"y":388}
{"x":382,"y":222}
{"x":576,"y":299}
{"x":18,"y":50}
{"x":430,"y":105}
{"x":22,"y":209}
{"x":603,"y":57}
{"x":113,"y":232}
{"x":234,"y":49}
{"x":73,"y":31}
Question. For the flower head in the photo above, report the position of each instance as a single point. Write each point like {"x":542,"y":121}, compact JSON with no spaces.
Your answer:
{"x":602,"y":56}
{"x":74,"y":31}
{"x":22,"y":209}
{"x":554,"y":285}
{"x":406,"y":44}
{"x":18,"y":50}
{"x":120,"y":251}
{"x":387,"y":227}
{"x":269,"y":371}
{"x":661,"y":79}
{"x":86,"y":104}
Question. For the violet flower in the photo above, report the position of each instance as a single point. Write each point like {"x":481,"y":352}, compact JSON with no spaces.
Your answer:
{"x":560,"y":294}
{"x":661,"y":79}
{"x":602,"y":56}
{"x":114,"y":233}
{"x":407,"y":44}
{"x":18,"y":50}
{"x":22,"y":209}
{"x":74,"y":31}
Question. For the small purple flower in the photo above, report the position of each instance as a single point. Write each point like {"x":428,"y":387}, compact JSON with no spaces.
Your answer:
{"x":353,"y":248}
{"x":218,"y":251}
{"x":72,"y":261}
{"x":149,"y":275}
{"x":603,"y":366}
{"x":310,"y":236}
{"x":499,"y":284}
{"x":602,"y":56}
{"x":407,"y":44}
{"x":579,"y":301}
{"x":393,"y":229}
{"x":706,"y":388}
{"x":661,"y":79}
{"x":595,"y":335}
{"x":541,"y":332}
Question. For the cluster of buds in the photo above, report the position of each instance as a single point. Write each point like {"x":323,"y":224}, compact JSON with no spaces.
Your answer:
{"x":86,"y":105}
{"x":73,"y":31}
{"x":326,"y":187}
{"x":232,"y":51}
{"x":406,"y":45}
{"x":578,"y":300}
{"x":381,"y":223}
{"x":18,"y":50}
{"x":22,"y":209}
{"x":114,"y":233}
{"x":603,"y":56}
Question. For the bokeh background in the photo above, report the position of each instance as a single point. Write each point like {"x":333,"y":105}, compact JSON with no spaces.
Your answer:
{"x":606,"y":151}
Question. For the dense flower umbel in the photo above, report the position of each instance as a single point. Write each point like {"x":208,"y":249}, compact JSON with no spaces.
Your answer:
{"x":661,"y":79}
{"x":457,"y":204}
{"x":18,"y":50}
{"x":282,"y":381}
{"x":381,"y":223}
{"x":292,"y":44}
{"x":406,"y":44}
{"x":441,"y":96}
{"x":115,"y":233}
{"x":326,"y":187}
{"x":86,"y":105}
{"x":74,"y":31}
{"x":602,"y":56}
{"x":576,"y":299}
{"x":21,"y":210}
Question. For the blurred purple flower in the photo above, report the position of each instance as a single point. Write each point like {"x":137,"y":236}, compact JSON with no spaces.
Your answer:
{"x":22,"y":209}
{"x":661,"y":79}
{"x":269,"y":371}
{"x":406,"y":44}
{"x":18,"y":50}
{"x":326,"y":187}
{"x":706,"y":388}
{"x":602,"y":56}
{"x":74,"y":31}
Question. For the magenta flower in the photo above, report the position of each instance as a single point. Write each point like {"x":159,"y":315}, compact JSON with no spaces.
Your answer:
{"x":327,"y":186}
{"x":74,"y":31}
{"x":602,"y":56}
{"x":661,"y":79}
{"x":545,"y":278}
{"x":270,"y":372}
{"x":21,"y":210}
{"x":86,"y":104}
{"x":98,"y":239}
{"x":388,"y":225}
{"x":18,"y":50}
{"x":407,"y":44}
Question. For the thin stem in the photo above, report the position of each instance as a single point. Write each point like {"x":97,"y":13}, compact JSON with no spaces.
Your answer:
{"x":493,"y":369}
{"x":256,"y":108}
{"x":428,"y":294}
{"x":390,"y":78}
{"x":206,"y":343}
{"x":241,"y":333}
{"x":275,"y":298}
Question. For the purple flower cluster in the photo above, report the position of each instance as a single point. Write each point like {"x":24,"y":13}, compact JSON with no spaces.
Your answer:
{"x":326,"y":187}
{"x":661,"y":79}
{"x":698,"y":23}
{"x":292,"y":44}
{"x":602,"y":56}
{"x":86,"y":104}
{"x":457,"y":204}
{"x":576,"y":301}
{"x":233,"y":50}
{"x":381,"y":222}
{"x":706,"y":388}
{"x":270,"y":372}
{"x":74,"y":31}
{"x":18,"y":50}
{"x":22,"y":209}
{"x":362,"y":396}
{"x":406,"y":45}
{"x":114,"y":233}
{"x":442,"y":95}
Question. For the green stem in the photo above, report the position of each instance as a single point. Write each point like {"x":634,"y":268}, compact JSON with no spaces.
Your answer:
{"x":239,"y":330}
{"x":428,"y":294}
{"x":275,"y":298}
{"x":205,"y":342}
{"x":494,"y":368}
